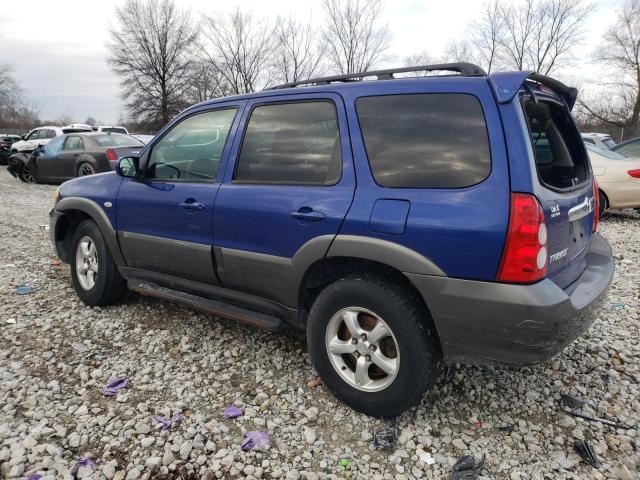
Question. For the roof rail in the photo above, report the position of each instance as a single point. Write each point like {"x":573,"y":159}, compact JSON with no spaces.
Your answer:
{"x":463,"y":68}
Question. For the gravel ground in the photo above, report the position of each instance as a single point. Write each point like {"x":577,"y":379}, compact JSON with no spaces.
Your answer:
{"x":56,"y":355}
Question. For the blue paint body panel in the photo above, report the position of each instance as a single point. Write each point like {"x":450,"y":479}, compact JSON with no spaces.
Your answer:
{"x":389,"y":216}
{"x":99,"y":188}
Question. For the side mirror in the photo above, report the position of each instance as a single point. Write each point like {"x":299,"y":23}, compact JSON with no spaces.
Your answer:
{"x":23,"y":137}
{"x":128,"y":167}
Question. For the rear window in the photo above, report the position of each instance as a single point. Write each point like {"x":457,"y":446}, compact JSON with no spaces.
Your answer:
{"x":629,"y":149}
{"x":425,"y":140}
{"x":560,"y":155}
{"x":113,"y":130}
{"x":116,"y":140}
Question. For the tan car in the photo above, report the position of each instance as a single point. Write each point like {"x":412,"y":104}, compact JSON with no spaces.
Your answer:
{"x":618,"y":179}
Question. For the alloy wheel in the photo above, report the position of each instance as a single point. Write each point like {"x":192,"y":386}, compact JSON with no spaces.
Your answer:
{"x":86,"y":262}
{"x":362,"y":349}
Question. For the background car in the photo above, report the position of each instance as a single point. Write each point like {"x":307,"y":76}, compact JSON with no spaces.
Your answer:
{"x":618,"y":179}
{"x":5,"y":146}
{"x":600,"y":140}
{"x":74,"y":155}
{"x":110,"y":129}
{"x":41,"y":135}
{"x":630,"y":148}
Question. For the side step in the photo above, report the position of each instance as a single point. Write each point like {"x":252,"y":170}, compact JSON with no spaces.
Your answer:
{"x":215,"y":307}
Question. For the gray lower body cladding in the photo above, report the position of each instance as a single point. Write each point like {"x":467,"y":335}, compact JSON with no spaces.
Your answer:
{"x":496,"y":323}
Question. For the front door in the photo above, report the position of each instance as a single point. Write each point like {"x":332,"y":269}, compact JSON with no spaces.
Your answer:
{"x":165,"y":219}
{"x":67,"y":164}
{"x":285,"y":196}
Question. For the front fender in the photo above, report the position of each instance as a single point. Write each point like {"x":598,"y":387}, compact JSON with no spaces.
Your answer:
{"x":69,"y":205}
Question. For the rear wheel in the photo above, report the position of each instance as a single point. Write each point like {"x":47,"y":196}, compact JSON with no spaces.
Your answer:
{"x":373,"y":344}
{"x":93,"y":272}
{"x":86,"y":169}
{"x":603,"y":203}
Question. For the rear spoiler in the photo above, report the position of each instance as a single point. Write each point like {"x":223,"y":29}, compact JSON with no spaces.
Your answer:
{"x":506,"y":85}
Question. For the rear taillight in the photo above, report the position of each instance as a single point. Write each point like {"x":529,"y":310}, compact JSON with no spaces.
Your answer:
{"x":112,"y":156}
{"x":634,"y":173}
{"x":596,"y":205}
{"x":524,"y":259}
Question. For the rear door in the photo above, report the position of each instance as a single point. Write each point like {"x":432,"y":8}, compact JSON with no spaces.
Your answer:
{"x":563,"y":183}
{"x":72,"y":148}
{"x":285,"y":195}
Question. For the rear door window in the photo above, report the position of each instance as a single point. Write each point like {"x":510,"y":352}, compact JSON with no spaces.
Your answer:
{"x":428,"y":140}
{"x":560,"y":155}
{"x":291,"y":143}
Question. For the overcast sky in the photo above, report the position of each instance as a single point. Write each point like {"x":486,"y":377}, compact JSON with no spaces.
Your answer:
{"x":58,"y":47}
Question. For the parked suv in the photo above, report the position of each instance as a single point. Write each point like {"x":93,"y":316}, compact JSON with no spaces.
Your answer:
{"x":41,"y":135}
{"x":404,"y":223}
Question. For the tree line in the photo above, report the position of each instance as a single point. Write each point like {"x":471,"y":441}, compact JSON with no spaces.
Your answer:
{"x":167,"y":58}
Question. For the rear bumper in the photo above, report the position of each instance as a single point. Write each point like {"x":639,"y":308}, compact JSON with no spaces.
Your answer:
{"x":496,"y":323}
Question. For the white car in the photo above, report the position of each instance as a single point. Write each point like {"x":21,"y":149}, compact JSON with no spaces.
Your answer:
{"x":618,"y":179}
{"x":110,"y":129}
{"x":41,"y":135}
{"x":598,"y":140}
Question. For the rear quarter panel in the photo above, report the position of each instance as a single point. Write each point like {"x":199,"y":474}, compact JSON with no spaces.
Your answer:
{"x":460,"y":230}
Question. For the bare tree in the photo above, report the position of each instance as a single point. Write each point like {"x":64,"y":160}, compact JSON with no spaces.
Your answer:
{"x":10,"y":92}
{"x":239,"y":47}
{"x":299,"y":50}
{"x":15,"y":112}
{"x":356,"y":41}
{"x":205,"y":83}
{"x":150,"y":51}
{"x":418,"y":59}
{"x":541,"y":35}
{"x":486,"y":34}
{"x":618,"y":103}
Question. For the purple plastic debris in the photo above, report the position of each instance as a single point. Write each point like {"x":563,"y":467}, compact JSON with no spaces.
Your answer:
{"x":86,"y":462}
{"x":114,"y":385}
{"x":255,"y":441}
{"x":167,"y":424}
{"x":232,"y":412}
{"x":34,"y":476}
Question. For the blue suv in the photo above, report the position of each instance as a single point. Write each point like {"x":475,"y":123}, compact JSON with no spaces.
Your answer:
{"x":405,"y":223}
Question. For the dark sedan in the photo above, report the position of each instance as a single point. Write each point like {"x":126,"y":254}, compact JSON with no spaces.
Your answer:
{"x":5,"y":146}
{"x":630,"y":148}
{"x":74,"y":155}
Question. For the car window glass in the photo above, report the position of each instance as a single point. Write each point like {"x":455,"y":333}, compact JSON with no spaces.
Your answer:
{"x":73,"y":143}
{"x":589,"y":141}
{"x":609,"y":143}
{"x":53,"y":147}
{"x":193,"y":148}
{"x":291,"y":143}
{"x":33,"y":135}
{"x":425,"y":140}
{"x":630,"y":149}
{"x":113,"y":130}
{"x":116,"y":140}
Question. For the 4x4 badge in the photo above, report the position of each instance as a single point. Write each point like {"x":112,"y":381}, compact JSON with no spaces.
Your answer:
{"x":555,"y":210}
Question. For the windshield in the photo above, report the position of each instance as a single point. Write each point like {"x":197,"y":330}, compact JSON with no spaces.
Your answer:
{"x":116,"y":140}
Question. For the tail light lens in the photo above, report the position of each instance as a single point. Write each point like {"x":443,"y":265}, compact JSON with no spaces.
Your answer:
{"x":596,"y":209}
{"x":524,"y":259}
{"x":634,"y":173}
{"x":112,"y":156}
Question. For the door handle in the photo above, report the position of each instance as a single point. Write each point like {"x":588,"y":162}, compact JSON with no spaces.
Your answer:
{"x":190,"y":204}
{"x":309,"y":215}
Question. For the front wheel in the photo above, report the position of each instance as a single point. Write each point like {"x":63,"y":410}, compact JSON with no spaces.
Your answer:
{"x":86,"y":169}
{"x":27,"y":174}
{"x":93,"y":272}
{"x":373,"y":344}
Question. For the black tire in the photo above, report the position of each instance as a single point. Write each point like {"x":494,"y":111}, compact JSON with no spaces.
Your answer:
{"x":109,"y":286}
{"x":86,"y":169}
{"x":417,"y":342}
{"x":603,"y":203}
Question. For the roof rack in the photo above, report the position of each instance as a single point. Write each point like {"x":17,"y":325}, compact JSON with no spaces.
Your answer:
{"x":463,"y":68}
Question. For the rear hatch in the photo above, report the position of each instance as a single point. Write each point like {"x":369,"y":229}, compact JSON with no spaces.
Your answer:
{"x":564,"y":183}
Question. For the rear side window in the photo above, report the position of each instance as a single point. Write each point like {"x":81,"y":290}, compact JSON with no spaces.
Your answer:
{"x":429,"y":140}
{"x":561,"y":159}
{"x":291,"y":143}
{"x":73,"y":143}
